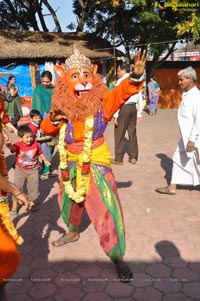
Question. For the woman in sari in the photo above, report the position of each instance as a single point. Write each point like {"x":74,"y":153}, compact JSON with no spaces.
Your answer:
{"x":41,"y":101}
{"x":13,"y":104}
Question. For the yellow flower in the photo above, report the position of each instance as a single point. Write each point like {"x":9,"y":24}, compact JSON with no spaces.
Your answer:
{"x":8,"y":224}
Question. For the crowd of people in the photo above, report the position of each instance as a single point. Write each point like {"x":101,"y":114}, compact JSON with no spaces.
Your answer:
{"x":76,"y":111}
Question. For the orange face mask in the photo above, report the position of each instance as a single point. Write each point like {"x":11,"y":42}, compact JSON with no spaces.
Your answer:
{"x":78,"y":80}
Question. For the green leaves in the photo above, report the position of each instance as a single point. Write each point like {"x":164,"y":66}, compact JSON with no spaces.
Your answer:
{"x":190,"y":26}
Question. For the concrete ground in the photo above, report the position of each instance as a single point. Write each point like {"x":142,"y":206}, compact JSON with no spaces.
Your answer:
{"x":162,"y":234}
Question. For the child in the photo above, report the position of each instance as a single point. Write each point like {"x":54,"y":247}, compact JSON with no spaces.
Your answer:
{"x":27,"y":152}
{"x":34,"y":125}
{"x":42,"y":139}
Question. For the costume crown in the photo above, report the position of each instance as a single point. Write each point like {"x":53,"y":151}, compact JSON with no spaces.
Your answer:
{"x":77,"y":60}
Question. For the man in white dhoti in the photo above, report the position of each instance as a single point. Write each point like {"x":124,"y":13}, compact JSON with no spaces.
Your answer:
{"x":186,"y":159}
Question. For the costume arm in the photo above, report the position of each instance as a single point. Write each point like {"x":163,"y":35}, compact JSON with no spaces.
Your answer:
{"x":49,"y":128}
{"x":116,"y":97}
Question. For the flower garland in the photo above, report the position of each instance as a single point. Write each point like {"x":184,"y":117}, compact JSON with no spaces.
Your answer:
{"x":7,"y":223}
{"x":83,"y":183}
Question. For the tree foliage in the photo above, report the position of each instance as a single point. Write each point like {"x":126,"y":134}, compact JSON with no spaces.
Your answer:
{"x":140,"y":23}
{"x":154,"y":25}
{"x":26,"y":15}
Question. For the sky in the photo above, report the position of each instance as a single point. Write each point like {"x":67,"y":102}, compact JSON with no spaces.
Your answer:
{"x":64,"y":13}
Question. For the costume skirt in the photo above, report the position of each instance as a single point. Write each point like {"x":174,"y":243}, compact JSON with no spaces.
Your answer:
{"x":101,"y":203}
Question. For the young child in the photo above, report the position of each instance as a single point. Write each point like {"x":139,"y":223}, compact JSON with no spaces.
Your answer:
{"x":27,"y":152}
{"x":34,"y":125}
{"x":43,"y":141}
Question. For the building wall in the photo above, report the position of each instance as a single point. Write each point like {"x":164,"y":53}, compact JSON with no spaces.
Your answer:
{"x":170,"y":95}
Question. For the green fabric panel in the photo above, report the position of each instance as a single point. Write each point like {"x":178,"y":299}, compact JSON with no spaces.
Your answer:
{"x":41,"y":99}
{"x":66,"y":201}
{"x":105,"y":189}
{"x":66,"y":207}
{"x":72,"y":228}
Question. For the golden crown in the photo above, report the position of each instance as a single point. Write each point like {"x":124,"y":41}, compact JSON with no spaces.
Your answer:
{"x":77,"y":60}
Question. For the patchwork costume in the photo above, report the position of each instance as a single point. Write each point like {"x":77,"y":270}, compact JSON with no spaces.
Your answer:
{"x":87,"y":180}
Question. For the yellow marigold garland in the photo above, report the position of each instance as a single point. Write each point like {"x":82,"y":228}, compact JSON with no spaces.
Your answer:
{"x":7,"y":223}
{"x":83,"y":183}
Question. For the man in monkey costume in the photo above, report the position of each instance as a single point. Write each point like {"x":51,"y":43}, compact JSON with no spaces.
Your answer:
{"x":81,"y":108}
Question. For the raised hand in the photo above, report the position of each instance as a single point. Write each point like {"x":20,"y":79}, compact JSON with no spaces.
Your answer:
{"x":56,"y":116}
{"x":139,"y":63}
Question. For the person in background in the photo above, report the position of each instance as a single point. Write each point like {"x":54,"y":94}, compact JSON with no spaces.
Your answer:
{"x":42,"y":94}
{"x":186,"y":167}
{"x":41,"y":101}
{"x":27,"y":152}
{"x":13,"y":104}
{"x":153,"y":93}
{"x":126,"y":120}
{"x":5,"y":120}
{"x":113,"y":82}
{"x":41,"y":138}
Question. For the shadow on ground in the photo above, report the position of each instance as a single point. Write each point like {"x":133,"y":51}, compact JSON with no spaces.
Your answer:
{"x":41,"y":277}
{"x":166,"y":164}
{"x":169,"y":279}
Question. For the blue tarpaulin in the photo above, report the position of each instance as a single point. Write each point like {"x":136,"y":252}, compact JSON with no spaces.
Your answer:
{"x":23,"y":78}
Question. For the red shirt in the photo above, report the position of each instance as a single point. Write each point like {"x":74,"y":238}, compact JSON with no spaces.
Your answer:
{"x":27,"y":155}
{"x":35,"y":129}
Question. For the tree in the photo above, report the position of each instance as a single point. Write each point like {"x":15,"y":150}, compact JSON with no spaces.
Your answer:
{"x":138,"y":23}
{"x":154,"y":25}
{"x":25,"y":15}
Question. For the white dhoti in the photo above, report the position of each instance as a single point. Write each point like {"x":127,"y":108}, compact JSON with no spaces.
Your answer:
{"x":186,"y":170}
{"x":186,"y":165}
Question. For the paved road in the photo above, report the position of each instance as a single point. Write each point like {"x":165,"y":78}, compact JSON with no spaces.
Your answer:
{"x":162,"y":234}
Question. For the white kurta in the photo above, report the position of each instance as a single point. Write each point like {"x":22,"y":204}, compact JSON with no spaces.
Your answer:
{"x":136,"y":98}
{"x":186,"y":165}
